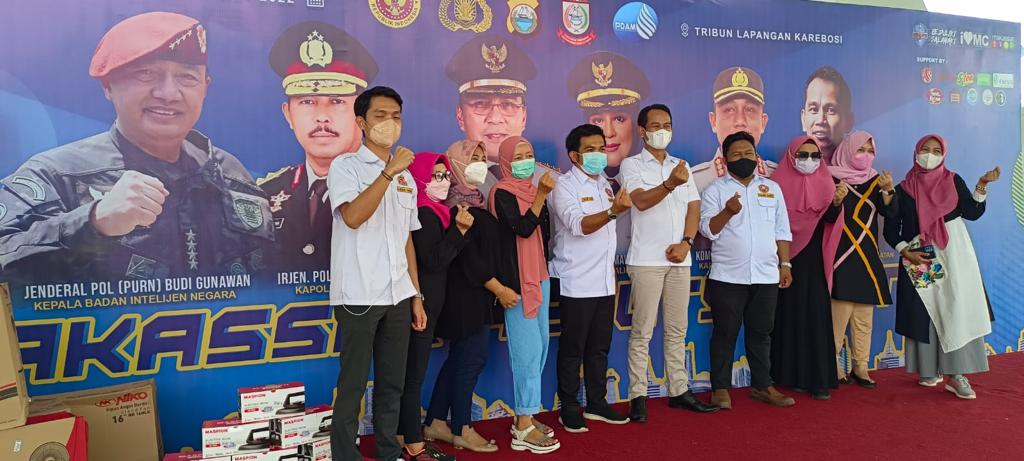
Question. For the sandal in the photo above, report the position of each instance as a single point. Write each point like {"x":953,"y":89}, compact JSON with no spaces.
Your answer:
{"x":461,"y":443}
{"x":431,"y":435}
{"x":519,"y":442}
{"x":540,"y":427}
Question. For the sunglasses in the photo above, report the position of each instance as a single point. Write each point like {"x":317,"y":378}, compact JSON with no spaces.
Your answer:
{"x":442,"y":176}
{"x":806,"y":155}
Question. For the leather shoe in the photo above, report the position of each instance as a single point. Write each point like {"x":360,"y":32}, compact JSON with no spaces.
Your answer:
{"x":721,"y":399}
{"x":688,"y":401}
{"x":862,"y":382}
{"x":638,"y":409}
{"x":772,"y":397}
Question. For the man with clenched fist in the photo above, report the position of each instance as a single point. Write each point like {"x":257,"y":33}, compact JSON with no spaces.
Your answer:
{"x":744,"y":216}
{"x":151,"y":197}
{"x":375,"y":287}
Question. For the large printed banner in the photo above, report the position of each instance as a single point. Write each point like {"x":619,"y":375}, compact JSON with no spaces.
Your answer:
{"x":224,"y":284}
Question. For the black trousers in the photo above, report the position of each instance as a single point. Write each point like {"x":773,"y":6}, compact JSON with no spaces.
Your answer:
{"x":379,"y":334}
{"x":585,"y":339}
{"x":453,"y":390}
{"x":733,"y":306}
{"x":410,"y":424}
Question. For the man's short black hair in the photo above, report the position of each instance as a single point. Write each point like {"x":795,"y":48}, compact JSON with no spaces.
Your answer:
{"x":830,"y":74}
{"x":362,"y":105}
{"x":737,"y":136}
{"x":641,"y":119}
{"x":575,"y":138}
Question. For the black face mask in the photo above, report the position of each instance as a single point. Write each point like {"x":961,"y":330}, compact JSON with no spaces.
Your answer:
{"x":742,"y":168}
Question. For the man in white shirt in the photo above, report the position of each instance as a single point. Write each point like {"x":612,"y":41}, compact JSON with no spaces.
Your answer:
{"x":374,"y":287}
{"x":744,"y":215}
{"x":584,"y":210}
{"x":667,"y":208}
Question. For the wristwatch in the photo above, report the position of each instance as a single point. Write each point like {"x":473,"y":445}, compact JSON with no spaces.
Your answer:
{"x":420,"y":297}
{"x":687,"y":240}
{"x":611,"y":215}
{"x":786,"y":264}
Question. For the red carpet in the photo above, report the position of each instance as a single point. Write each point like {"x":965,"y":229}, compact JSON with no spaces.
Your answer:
{"x":898,"y":420}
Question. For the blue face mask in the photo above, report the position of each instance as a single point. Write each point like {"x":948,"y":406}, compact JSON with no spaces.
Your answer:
{"x":594,"y":163}
{"x":522,"y":169}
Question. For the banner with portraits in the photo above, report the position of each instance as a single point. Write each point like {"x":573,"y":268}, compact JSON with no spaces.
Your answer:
{"x":162,"y":212}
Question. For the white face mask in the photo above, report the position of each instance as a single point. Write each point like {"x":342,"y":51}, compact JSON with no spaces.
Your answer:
{"x":928,"y":161}
{"x":476,"y":173}
{"x":807,"y":165}
{"x":659,"y":139}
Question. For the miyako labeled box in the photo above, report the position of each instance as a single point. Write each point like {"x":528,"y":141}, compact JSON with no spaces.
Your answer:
{"x":228,"y":437}
{"x":261,"y":403}
{"x":13,"y":393}
{"x":123,"y":420}
{"x":301,"y":429}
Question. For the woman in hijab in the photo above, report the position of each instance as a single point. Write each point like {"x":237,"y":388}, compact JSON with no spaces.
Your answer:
{"x":803,"y":348}
{"x":859,"y":281}
{"x":523,"y":231}
{"x":437,"y":243}
{"x":944,"y":334}
{"x":472,"y":291}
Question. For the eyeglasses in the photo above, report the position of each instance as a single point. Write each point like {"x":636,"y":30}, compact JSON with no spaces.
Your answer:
{"x":806,"y":155}
{"x":506,"y":108}
{"x":442,"y":176}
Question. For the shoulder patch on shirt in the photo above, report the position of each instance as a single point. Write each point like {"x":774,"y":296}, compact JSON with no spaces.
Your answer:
{"x":763,"y":191}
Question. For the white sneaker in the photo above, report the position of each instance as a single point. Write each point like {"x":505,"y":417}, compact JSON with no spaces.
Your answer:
{"x":930,"y":382}
{"x":959,"y":386}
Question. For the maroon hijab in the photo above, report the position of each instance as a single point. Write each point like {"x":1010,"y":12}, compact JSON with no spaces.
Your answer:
{"x":935,"y":194}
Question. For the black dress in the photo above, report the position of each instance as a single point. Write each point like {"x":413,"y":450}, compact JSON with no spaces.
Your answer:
{"x":912,"y":319}
{"x":803,"y":348}
{"x":860,"y":277}
{"x":468,"y":305}
{"x":436,"y":247}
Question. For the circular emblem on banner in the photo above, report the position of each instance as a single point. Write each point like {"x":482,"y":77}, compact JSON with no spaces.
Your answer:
{"x":395,"y":14}
{"x":926,"y":75}
{"x":972,"y":96}
{"x":635,"y":21}
{"x":522,"y":16}
{"x":935,"y":96}
{"x":920,"y":34}
{"x":1000,"y":100}
{"x":249,"y":213}
{"x":987,"y":97}
{"x":472,"y":15}
{"x":576,"y":18}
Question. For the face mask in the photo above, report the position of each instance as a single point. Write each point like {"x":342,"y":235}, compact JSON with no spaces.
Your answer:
{"x":594,"y":162}
{"x":385,"y":133}
{"x":522,"y":169}
{"x":476,"y":173}
{"x":807,"y":165}
{"x":742,"y":168}
{"x":863,"y":161}
{"x":659,"y":139}
{"x":438,"y":190}
{"x":928,"y":161}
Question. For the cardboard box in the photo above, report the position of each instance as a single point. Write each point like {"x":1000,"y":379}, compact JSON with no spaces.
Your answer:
{"x":228,"y":437}
{"x":274,"y":401}
{"x":13,"y":394}
{"x":301,"y":429}
{"x":320,"y":449}
{"x":193,"y":456}
{"x":277,"y":454}
{"x":54,"y":436}
{"x":123,"y":420}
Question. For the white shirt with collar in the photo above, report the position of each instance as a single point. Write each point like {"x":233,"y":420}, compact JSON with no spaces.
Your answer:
{"x":745,"y":251}
{"x":661,"y":225}
{"x":368,"y":264}
{"x":583,"y":264}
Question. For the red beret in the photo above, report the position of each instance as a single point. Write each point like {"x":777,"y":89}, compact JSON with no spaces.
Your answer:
{"x":169,"y":35}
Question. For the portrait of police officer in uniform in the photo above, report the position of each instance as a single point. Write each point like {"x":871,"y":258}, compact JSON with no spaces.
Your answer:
{"x":322,"y":70}
{"x":490,"y":73}
{"x":738,"y":100}
{"x":149,"y":198}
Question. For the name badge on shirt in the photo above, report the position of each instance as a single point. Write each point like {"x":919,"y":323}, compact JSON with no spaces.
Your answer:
{"x":407,"y":190}
{"x":587,"y":199}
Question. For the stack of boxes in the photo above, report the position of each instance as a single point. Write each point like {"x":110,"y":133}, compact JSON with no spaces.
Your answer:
{"x":274,"y":425}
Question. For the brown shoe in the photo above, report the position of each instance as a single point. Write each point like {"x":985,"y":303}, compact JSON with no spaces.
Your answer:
{"x":721,"y":399}
{"x":772,"y":397}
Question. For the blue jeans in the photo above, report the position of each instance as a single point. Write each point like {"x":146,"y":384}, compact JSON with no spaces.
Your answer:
{"x":528,"y":352}
{"x":453,"y":389}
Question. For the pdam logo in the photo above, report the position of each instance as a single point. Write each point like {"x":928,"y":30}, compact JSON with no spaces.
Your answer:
{"x":635,"y":21}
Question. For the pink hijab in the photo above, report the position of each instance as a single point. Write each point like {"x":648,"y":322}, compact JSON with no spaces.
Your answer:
{"x":533,"y":267}
{"x":808,"y":197}
{"x":459,"y":154}
{"x":422,"y":170}
{"x":935,"y":194}
{"x":842,"y":163}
